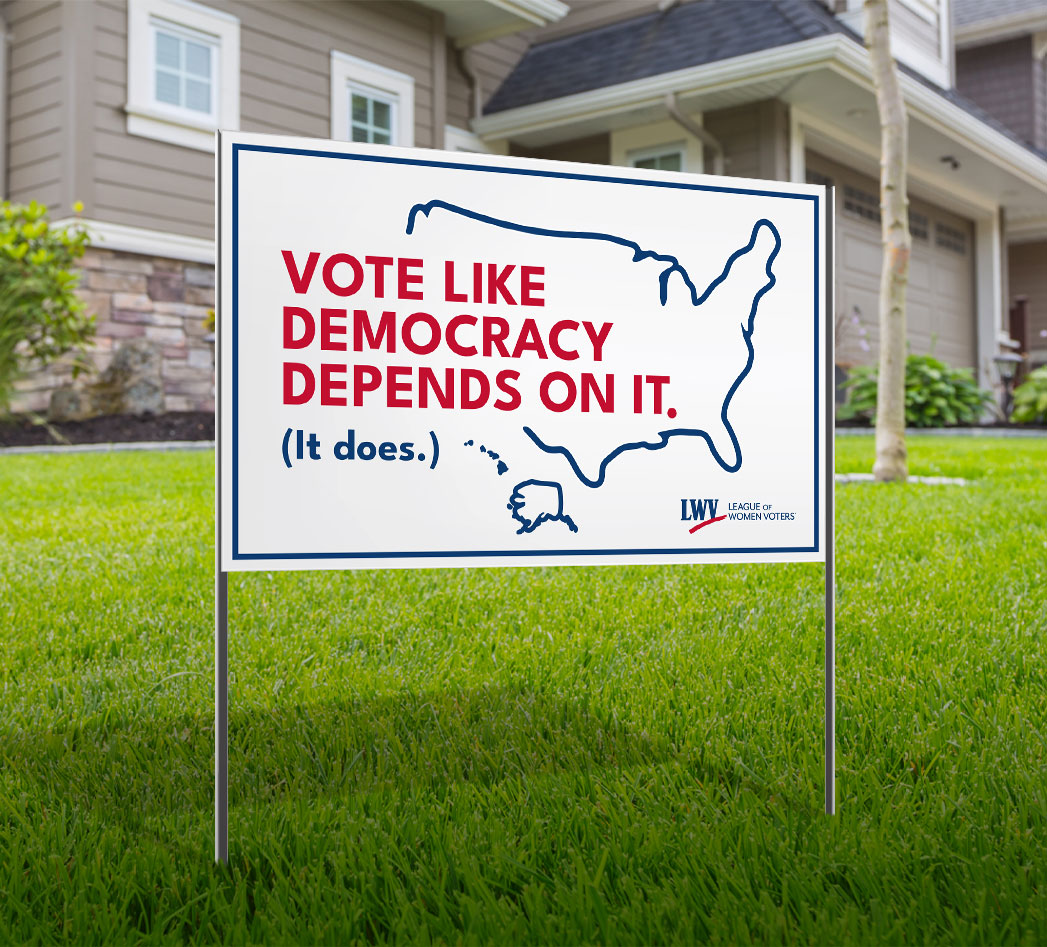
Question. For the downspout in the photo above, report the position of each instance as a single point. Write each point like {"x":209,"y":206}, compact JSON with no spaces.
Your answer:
{"x":688,"y":124}
{"x":476,"y":90}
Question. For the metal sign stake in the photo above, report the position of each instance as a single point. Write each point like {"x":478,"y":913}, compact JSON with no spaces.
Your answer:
{"x":830,"y":501}
{"x":221,"y":598}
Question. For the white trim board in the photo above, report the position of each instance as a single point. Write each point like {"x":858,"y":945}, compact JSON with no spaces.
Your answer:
{"x":461,"y":139}
{"x":109,"y":236}
{"x":1026,"y":229}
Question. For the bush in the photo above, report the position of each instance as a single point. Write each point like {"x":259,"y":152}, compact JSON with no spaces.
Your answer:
{"x":41,"y":317}
{"x":935,"y":394}
{"x":1030,"y":398}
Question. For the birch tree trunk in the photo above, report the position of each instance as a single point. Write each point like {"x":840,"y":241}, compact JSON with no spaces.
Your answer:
{"x":891,"y":455}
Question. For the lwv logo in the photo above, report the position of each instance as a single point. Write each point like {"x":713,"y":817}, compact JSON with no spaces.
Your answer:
{"x":700,"y":512}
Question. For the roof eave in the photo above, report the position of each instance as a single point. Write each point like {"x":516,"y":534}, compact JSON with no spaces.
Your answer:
{"x":625,"y":96}
{"x":836,"y":52}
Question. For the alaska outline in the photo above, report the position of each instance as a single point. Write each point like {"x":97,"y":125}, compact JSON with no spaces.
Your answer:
{"x":640,"y":254}
{"x":517,"y":500}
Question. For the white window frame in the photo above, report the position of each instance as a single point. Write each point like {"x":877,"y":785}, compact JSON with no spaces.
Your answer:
{"x":181,"y":126}
{"x":368,"y":78}
{"x":644,"y":141}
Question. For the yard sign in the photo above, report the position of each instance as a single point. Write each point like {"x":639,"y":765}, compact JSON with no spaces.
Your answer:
{"x":435,"y":359}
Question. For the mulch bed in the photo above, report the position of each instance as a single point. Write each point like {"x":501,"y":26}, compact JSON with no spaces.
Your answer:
{"x":116,"y":428}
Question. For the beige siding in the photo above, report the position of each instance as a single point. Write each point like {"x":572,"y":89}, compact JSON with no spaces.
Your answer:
{"x":1028,"y":277}
{"x":595,"y":149}
{"x":35,"y":103}
{"x":285,"y":88}
{"x":740,"y":133}
{"x":138,"y":181}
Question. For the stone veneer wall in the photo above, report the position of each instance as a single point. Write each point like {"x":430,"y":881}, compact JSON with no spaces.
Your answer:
{"x":159,"y":300}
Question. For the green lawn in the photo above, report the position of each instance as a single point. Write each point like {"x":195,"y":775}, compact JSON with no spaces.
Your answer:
{"x":509,"y":756}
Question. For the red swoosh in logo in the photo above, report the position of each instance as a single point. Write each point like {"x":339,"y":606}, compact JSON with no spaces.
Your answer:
{"x":715,"y":519}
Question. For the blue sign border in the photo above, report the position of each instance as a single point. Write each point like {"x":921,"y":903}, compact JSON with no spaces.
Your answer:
{"x":529,"y":172}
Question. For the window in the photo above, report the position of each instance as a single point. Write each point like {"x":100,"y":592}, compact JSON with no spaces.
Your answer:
{"x":371,"y":116}
{"x":184,"y":69}
{"x":861,"y":203}
{"x":658,"y":146}
{"x":816,"y":177}
{"x":950,"y":238}
{"x":662,"y":161}
{"x":919,"y":225}
{"x":370,"y":103}
{"x":183,"y":72}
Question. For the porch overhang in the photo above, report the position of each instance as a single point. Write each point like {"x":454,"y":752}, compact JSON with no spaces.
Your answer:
{"x":970,"y":165}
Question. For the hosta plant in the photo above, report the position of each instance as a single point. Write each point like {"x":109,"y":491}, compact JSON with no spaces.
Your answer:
{"x":935,"y":394}
{"x":1030,"y":398}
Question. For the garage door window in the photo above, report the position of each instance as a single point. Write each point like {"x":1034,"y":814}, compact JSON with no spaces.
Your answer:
{"x":861,"y":203}
{"x":950,"y":238}
{"x":919,"y":226}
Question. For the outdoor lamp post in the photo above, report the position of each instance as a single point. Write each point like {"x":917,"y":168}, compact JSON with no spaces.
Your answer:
{"x":1007,"y":365}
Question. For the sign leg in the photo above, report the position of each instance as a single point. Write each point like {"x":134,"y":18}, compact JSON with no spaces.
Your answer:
{"x":221,"y":718}
{"x":830,"y":691}
{"x":830,"y":506}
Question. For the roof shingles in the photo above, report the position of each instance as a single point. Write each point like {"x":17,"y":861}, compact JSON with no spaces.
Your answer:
{"x":685,"y":35}
{"x":688,"y":34}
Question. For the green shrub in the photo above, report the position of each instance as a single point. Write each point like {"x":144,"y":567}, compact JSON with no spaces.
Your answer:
{"x":1030,"y":398}
{"x":41,"y":317}
{"x":935,"y":394}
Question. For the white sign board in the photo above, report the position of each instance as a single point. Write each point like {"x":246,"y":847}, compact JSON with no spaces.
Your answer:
{"x":438,"y":359}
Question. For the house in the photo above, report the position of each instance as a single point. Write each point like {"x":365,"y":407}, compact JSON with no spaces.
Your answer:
{"x":114,"y":104}
{"x":1001,"y":64}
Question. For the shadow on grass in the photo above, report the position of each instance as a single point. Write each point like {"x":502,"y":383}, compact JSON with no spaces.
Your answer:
{"x":140,"y":769}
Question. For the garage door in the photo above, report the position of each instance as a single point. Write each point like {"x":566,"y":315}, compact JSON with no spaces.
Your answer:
{"x":941,"y":273}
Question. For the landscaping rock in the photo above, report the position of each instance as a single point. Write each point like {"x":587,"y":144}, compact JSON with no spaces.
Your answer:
{"x":132,"y":384}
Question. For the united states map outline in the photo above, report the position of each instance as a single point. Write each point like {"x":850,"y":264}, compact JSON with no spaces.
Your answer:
{"x":697,"y":299}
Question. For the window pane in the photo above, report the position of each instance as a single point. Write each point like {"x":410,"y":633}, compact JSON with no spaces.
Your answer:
{"x":360,"y":133}
{"x":167,"y":50}
{"x":669,"y":162}
{"x":198,"y":95}
{"x":198,"y":60}
{"x":380,"y":138}
{"x":645,"y":163}
{"x":359,"y":108}
{"x":167,"y":88}
{"x":381,"y":115}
